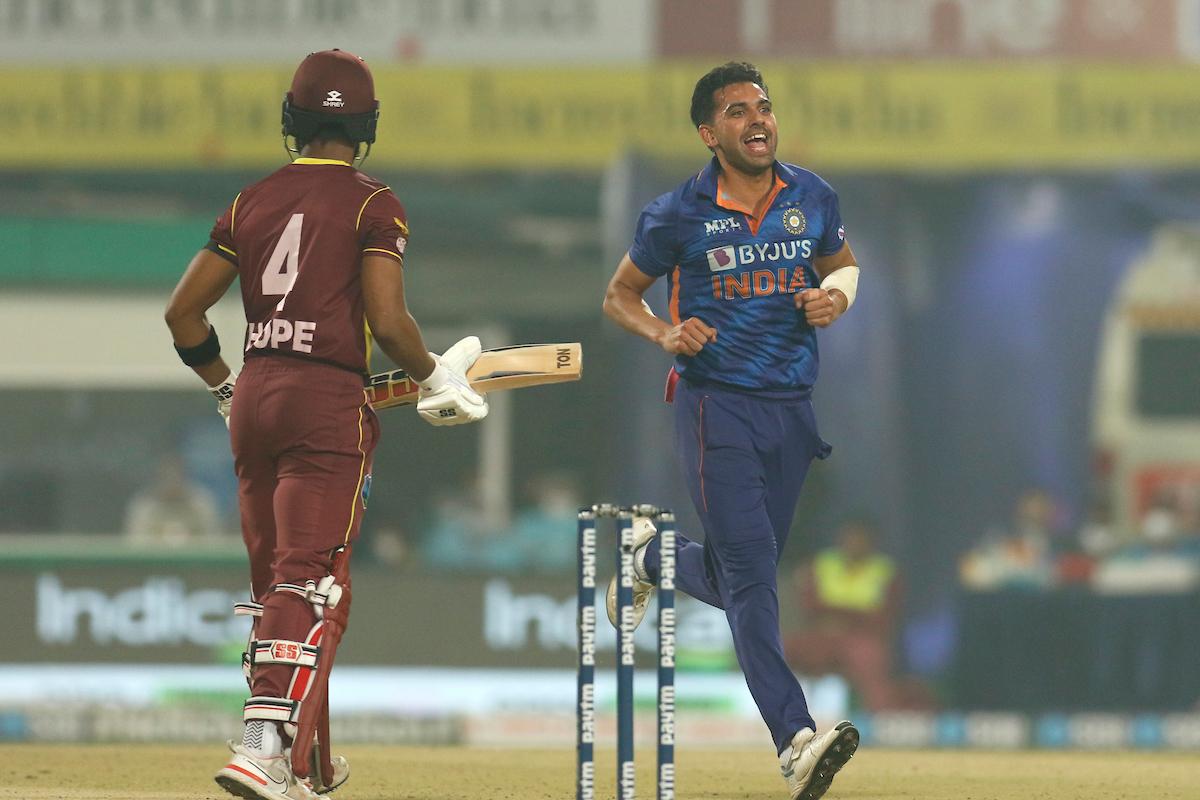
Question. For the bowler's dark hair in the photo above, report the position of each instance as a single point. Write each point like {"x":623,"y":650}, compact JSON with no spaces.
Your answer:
{"x":703,"y":104}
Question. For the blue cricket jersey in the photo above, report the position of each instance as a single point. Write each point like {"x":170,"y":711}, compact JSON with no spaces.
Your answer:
{"x":739,"y":274}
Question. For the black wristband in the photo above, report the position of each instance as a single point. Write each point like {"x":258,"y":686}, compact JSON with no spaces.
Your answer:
{"x":204,"y":353}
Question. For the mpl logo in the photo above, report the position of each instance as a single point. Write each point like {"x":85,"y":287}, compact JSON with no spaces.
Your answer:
{"x":334,"y":99}
{"x":721,"y":226}
{"x":721,"y":258}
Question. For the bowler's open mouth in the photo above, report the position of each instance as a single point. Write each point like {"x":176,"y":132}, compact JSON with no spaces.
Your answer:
{"x":756,"y":142}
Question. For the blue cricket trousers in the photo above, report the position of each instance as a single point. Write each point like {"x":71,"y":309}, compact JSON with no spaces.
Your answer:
{"x":745,"y":456}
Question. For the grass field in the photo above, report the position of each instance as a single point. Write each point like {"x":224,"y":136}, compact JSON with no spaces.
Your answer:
{"x":139,"y":772}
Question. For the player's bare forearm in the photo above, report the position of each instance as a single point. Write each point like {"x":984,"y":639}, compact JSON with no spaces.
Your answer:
{"x":825,"y":304}
{"x":191,"y":333}
{"x":401,"y":341}
{"x":624,"y":305}
{"x":207,"y":278}
{"x":827,"y":265}
{"x":391,"y":324}
{"x":213,"y":373}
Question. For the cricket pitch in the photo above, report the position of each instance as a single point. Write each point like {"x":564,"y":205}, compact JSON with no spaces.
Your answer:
{"x":175,"y":772}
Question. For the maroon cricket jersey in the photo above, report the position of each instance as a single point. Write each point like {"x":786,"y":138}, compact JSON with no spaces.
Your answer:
{"x":298,"y":238}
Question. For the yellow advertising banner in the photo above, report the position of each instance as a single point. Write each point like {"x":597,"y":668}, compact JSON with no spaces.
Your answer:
{"x":877,"y":116}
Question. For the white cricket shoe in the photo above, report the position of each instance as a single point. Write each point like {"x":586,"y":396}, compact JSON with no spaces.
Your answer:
{"x":643,"y":532}
{"x":810,"y":763}
{"x":259,"y":777}
{"x":341,"y":774}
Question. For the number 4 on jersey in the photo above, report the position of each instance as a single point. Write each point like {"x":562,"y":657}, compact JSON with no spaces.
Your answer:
{"x":284,"y":266}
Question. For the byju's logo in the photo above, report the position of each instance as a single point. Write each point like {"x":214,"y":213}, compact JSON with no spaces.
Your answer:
{"x":767,"y":254}
{"x":334,"y":100}
{"x":721,"y":259}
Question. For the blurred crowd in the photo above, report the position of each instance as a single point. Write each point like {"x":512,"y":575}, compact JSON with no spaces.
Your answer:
{"x":1040,"y":549}
{"x":845,"y":608}
{"x":459,"y":535}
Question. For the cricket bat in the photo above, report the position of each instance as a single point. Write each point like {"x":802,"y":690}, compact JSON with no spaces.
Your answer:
{"x":512,"y":367}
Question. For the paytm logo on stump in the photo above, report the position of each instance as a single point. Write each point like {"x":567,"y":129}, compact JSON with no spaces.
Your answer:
{"x":744,"y":255}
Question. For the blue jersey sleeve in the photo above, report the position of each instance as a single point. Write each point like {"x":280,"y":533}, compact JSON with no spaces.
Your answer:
{"x":834,"y":235}
{"x":655,"y":248}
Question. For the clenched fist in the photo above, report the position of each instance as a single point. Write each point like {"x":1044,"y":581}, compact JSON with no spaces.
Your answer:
{"x":820,"y":307}
{"x":687,"y":338}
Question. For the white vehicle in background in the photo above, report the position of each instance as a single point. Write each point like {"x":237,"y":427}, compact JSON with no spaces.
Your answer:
{"x":1146,"y":422}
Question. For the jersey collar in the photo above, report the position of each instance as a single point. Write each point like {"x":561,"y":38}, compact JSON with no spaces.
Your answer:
{"x":706,"y":181}
{"x":709,"y":183}
{"x":321,"y":161}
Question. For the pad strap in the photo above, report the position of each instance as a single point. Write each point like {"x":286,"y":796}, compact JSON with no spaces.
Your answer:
{"x":275,"y":709}
{"x":248,"y":609}
{"x":284,"y":651}
{"x":322,"y":594}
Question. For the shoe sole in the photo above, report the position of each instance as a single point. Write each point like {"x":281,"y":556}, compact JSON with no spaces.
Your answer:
{"x":610,"y":604}
{"x":610,"y":596}
{"x":237,"y":788}
{"x":839,"y":751}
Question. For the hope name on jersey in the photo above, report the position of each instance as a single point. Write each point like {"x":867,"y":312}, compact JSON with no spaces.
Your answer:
{"x":740,"y":275}
{"x":298,"y":238}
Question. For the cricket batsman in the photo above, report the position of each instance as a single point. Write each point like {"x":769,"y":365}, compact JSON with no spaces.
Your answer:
{"x":319,"y":249}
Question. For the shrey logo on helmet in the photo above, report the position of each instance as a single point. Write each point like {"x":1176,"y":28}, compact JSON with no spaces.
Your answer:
{"x":334,"y":90}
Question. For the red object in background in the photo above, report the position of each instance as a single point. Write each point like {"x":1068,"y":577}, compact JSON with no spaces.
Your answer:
{"x":1144,"y":31}
{"x":1173,"y":480}
{"x":1075,"y":568}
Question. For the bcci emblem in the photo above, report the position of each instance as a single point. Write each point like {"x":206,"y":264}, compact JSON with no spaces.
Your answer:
{"x":794,"y":221}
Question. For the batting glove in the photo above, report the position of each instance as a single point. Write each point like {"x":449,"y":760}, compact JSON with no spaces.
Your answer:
{"x":224,"y":394}
{"x":446,"y":397}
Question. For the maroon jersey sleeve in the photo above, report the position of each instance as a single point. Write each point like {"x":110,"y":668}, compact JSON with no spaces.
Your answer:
{"x":383,"y":225}
{"x":220,"y":240}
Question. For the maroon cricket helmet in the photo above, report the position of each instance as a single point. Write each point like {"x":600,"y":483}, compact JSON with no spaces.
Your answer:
{"x":331,"y":88}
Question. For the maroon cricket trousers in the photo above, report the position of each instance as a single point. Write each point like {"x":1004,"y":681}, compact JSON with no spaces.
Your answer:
{"x":303,"y":434}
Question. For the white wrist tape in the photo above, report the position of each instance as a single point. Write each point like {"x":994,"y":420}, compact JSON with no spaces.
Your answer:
{"x":845,"y":280}
{"x":223,"y":391}
{"x":438,"y":378}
